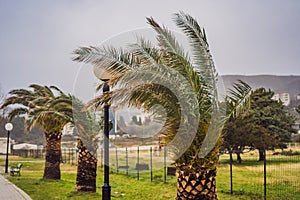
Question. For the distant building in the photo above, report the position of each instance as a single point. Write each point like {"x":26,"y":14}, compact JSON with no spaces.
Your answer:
{"x":28,"y":150}
{"x":283,"y":97}
{"x":276,"y":97}
{"x":27,"y":146}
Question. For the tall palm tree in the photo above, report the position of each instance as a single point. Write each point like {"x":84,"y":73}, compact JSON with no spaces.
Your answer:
{"x":185,"y":84}
{"x":48,"y":108}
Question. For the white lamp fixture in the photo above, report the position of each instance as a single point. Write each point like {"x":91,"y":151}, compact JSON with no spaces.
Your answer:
{"x":101,"y":73}
{"x":9,"y":126}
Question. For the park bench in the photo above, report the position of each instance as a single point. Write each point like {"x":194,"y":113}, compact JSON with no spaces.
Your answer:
{"x":171,"y":171}
{"x":16,"y":170}
{"x":123,"y":167}
{"x":142,"y":167}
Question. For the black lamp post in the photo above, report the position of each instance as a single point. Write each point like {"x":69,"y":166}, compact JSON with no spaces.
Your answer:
{"x":106,"y":190}
{"x":103,"y":75}
{"x":8,"y":127}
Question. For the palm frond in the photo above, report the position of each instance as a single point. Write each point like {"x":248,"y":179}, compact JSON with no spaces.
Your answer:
{"x":175,"y":55}
{"x":17,"y":112}
{"x":145,"y":52}
{"x":61,"y":93}
{"x":107,"y":57}
{"x":238,"y":99}
{"x":203,"y":62}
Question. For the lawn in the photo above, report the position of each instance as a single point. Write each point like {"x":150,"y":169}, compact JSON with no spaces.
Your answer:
{"x":283,"y":181}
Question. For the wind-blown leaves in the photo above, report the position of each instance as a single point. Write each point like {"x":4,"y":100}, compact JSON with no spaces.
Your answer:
{"x":184,"y":83}
{"x":239,"y":98}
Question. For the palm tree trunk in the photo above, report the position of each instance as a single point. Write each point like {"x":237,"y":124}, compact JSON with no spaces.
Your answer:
{"x":86,"y":170}
{"x":53,"y":155}
{"x":197,"y":185}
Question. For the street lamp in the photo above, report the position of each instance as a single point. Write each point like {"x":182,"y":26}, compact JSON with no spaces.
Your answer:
{"x":8,"y":127}
{"x":104,"y":75}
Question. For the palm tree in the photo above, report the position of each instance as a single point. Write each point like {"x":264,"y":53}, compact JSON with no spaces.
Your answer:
{"x":47,"y":108}
{"x":51,"y":109}
{"x":87,"y":146}
{"x":185,"y":84}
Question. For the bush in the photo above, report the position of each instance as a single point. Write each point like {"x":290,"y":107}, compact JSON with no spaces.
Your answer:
{"x":288,"y":153}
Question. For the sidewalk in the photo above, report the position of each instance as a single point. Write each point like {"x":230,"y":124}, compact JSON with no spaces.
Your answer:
{"x":9,"y":191}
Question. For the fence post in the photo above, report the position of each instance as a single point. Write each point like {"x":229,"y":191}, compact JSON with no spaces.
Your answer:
{"x":138,"y":163}
{"x":72,"y":155}
{"x":76,"y":159}
{"x":151,"y":164}
{"x":101,"y":157}
{"x":61,"y":155}
{"x":231,"y":183}
{"x":265,"y":174}
{"x":165,"y":164}
{"x":126,"y":161}
{"x":117,"y":163}
{"x":65,"y":152}
{"x":69,"y":155}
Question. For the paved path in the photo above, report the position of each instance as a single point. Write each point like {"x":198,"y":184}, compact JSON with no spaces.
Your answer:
{"x":9,"y":191}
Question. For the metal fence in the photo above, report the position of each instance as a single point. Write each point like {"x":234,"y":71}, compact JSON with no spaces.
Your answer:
{"x":145,"y":162}
{"x":277,"y":177}
{"x":29,"y":153}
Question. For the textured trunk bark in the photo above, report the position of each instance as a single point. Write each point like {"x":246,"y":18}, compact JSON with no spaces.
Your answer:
{"x":261,"y":155}
{"x":238,"y":157}
{"x":86,"y":170}
{"x":199,"y":185}
{"x":53,"y":155}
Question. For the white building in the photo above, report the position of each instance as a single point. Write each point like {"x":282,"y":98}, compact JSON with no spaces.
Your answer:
{"x":27,"y":146}
{"x":283,"y":97}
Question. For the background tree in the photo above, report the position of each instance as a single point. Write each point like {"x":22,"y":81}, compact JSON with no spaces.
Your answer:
{"x":86,"y":126}
{"x":236,"y":137}
{"x":40,"y":107}
{"x":267,"y":124}
{"x":168,"y":61}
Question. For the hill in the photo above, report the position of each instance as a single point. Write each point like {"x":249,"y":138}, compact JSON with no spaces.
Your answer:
{"x":279,"y":84}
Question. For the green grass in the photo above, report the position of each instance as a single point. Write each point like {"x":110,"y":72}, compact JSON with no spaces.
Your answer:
{"x":283,"y":181}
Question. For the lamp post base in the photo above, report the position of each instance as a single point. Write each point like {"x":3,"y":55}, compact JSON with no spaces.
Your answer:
{"x":6,"y":165}
{"x":106,"y":189}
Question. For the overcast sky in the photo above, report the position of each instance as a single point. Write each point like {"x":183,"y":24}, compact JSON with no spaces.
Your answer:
{"x":37,"y":37}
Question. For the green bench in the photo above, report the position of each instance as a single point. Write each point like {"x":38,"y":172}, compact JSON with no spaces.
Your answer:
{"x":16,"y":170}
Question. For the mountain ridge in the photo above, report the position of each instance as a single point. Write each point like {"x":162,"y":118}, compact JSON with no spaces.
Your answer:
{"x":277,"y":83}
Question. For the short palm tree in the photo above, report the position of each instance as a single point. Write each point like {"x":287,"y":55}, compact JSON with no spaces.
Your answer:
{"x":186,"y":87}
{"x":51,"y":109}
{"x":48,"y":108}
{"x":87,"y":144}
